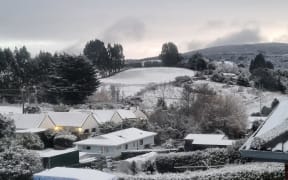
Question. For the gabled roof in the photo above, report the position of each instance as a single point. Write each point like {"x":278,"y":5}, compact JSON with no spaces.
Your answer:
{"x":69,"y":119}
{"x":126,"y":114}
{"x":60,"y":173}
{"x":118,"y":137}
{"x":27,"y":121}
{"x":103,"y":116}
{"x":271,"y":137}
{"x":209,"y":139}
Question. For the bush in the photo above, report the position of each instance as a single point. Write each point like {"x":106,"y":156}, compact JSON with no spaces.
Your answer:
{"x":167,"y":162}
{"x":30,"y":141}
{"x":252,"y":171}
{"x":63,"y":141}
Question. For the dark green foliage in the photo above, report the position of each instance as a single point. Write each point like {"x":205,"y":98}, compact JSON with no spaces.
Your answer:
{"x":274,"y":103}
{"x":73,"y":81}
{"x":167,"y":162}
{"x":30,"y":141}
{"x":63,"y":141}
{"x":96,"y":52}
{"x":197,"y":62}
{"x":133,"y":168}
{"x":234,"y":153}
{"x":265,"y":111}
{"x":169,"y":54}
{"x":268,"y":79}
{"x":259,"y":62}
{"x":256,"y":124}
{"x":218,"y":77}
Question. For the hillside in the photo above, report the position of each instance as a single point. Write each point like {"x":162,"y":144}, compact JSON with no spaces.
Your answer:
{"x":133,"y":80}
{"x":277,"y":53}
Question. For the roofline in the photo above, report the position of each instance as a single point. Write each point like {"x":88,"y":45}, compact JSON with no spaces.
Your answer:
{"x":47,"y":116}
{"x":268,"y":156}
{"x":117,"y":144}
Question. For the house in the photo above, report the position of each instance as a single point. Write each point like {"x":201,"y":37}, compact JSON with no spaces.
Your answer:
{"x":203,"y":141}
{"x":32,"y":121}
{"x":270,"y":140}
{"x":103,"y":116}
{"x":114,"y":143}
{"x":61,"y":173}
{"x":139,"y":114}
{"x":54,"y":158}
{"x":126,"y":114}
{"x":80,"y":122}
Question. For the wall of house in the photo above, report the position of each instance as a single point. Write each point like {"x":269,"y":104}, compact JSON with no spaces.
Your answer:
{"x":89,"y":124}
{"x":139,"y":114}
{"x":115,"y":151}
{"x":47,"y":123}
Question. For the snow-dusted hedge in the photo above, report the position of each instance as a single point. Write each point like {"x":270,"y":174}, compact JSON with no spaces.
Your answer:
{"x":211,"y":157}
{"x":251,"y":171}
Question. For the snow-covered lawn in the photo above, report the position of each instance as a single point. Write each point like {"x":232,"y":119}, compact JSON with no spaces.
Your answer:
{"x":133,"y":80}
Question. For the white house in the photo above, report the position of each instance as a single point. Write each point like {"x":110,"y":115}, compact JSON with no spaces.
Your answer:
{"x":61,"y":173}
{"x":139,"y":114}
{"x":80,"y":122}
{"x":114,"y":143}
{"x":202,"y":141}
{"x":103,"y":116}
{"x":32,"y":121}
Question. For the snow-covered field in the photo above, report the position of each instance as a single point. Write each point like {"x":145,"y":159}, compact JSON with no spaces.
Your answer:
{"x":133,"y":80}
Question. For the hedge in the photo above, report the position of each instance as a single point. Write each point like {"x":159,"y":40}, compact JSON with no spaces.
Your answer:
{"x":211,"y":157}
{"x":249,"y":171}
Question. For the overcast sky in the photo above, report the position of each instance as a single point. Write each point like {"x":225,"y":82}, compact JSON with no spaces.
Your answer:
{"x":140,"y":26}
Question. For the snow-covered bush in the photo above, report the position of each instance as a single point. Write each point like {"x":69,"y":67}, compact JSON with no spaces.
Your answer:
{"x":62,"y":141}
{"x":252,"y":171}
{"x":16,"y":163}
{"x":209,"y":157}
{"x":257,"y":143}
{"x":30,"y":141}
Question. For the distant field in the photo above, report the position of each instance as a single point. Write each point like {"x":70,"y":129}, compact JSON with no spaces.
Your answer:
{"x":133,"y":80}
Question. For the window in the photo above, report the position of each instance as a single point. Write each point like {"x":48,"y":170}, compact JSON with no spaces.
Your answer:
{"x":141,"y":142}
{"x":87,"y":147}
{"x":126,"y":146}
{"x":93,"y":129}
{"x":86,"y":131}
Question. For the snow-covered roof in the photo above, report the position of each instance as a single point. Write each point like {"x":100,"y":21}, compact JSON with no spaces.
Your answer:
{"x":10,"y":109}
{"x":53,"y":152}
{"x":27,"y":121}
{"x":272,"y":134}
{"x":103,"y":116}
{"x":126,"y":114}
{"x":60,"y":173}
{"x":31,"y":130}
{"x":117,"y":138}
{"x":209,"y":139}
{"x":68,"y":119}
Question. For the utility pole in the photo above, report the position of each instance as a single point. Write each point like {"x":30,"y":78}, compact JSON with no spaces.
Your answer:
{"x":22,"y":96}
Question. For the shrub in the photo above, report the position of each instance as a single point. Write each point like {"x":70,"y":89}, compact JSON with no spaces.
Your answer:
{"x":168,"y":162}
{"x":30,"y":141}
{"x":252,"y":171}
{"x":62,"y":141}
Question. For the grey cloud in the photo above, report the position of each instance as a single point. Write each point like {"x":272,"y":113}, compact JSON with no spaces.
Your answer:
{"x":125,"y":30}
{"x":193,"y":45}
{"x":242,"y":37}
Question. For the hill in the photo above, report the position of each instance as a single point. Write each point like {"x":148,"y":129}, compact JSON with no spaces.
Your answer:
{"x":277,"y":53}
{"x":133,"y":80}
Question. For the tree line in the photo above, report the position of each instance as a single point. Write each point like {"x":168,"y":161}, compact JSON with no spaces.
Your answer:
{"x":56,"y":78}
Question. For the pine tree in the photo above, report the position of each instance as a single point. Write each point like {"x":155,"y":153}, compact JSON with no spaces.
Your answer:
{"x":169,"y":54}
{"x":73,"y":80}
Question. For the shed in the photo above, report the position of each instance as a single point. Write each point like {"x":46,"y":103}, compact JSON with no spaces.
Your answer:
{"x":53,"y":158}
{"x":202,"y":141}
{"x":61,"y":173}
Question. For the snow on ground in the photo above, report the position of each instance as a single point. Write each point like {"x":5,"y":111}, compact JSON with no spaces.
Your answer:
{"x":133,"y":80}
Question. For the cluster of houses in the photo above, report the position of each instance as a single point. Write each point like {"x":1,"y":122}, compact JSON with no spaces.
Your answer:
{"x":80,"y":121}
